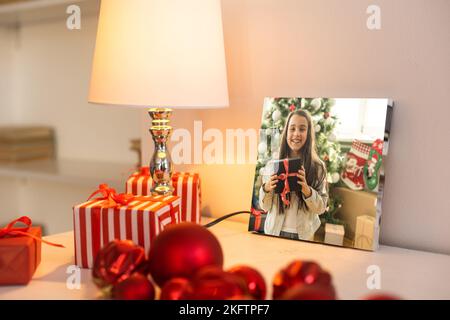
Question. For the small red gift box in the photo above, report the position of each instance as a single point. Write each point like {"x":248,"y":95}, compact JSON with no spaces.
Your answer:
{"x":257,"y":220}
{"x":140,"y":219}
{"x":186,"y":186}
{"x":20,"y":254}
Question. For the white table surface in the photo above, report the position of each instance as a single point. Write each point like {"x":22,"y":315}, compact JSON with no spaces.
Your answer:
{"x":407,"y":273}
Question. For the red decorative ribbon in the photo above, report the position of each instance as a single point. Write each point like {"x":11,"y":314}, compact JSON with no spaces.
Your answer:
{"x":111,"y":197}
{"x":113,"y":200}
{"x":172,"y":217}
{"x":145,"y":171}
{"x":284,"y":176}
{"x":257,"y":214}
{"x":9,"y":230}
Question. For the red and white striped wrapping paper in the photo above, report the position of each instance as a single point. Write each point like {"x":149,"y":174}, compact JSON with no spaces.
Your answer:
{"x":186,"y":186}
{"x":140,"y":221}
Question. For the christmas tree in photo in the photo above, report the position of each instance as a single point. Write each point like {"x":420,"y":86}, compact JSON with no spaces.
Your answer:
{"x":275,"y":113}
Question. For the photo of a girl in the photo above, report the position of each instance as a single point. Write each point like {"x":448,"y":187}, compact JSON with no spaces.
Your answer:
{"x":319,"y":171}
{"x":300,"y":218}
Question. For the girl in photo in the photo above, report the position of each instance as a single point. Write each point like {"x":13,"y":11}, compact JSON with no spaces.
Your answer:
{"x":299,"y":219}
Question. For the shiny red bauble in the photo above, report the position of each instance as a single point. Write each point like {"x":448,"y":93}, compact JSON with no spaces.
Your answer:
{"x":381,"y":296}
{"x":135,"y":287}
{"x":176,"y":289}
{"x":212,"y":283}
{"x":117,"y":261}
{"x":255,"y":282}
{"x":241,"y":297}
{"x":181,"y":250}
{"x":309,"y":292}
{"x":299,"y":272}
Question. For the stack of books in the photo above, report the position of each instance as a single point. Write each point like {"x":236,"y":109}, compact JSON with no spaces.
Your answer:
{"x":12,"y":1}
{"x":21,"y":143}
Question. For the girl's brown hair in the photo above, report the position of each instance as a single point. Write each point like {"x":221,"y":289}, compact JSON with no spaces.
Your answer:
{"x":314,"y":167}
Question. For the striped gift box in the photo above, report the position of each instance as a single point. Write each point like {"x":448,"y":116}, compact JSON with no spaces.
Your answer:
{"x":186,"y":186}
{"x":140,"y":221}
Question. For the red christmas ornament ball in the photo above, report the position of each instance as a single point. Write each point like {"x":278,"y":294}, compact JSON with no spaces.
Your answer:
{"x":176,"y":289}
{"x":181,"y":250}
{"x":208,"y":273}
{"x":212,"y":283}
{"x":117,"y":261}
{"x":299,"y":272}
{"x":135,"y":287}
{"x":242,"y":297}
{"x":381,"y":296}
{"x":309,"y":292}
{"x":255,"y":282}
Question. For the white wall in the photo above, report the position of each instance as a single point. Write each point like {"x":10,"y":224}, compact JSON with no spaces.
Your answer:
{"x":51,"y":71}
{"x":323,"y":48}
{"x":6,"y":58}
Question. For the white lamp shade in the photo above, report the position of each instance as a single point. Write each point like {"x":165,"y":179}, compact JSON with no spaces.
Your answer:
{"x":160,"y":53}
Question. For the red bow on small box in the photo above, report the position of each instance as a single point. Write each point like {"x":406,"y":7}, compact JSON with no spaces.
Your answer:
{"x":257,"y":214}
{"x":9,"y":230}
{"x":111,"y":197}
{"x":284,"y":176}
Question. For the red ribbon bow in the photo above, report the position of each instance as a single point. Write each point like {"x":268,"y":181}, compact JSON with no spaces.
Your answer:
{"x":114,"y":199}
{"x":145,"y":171}
{"x":284,"y":176}
{"x":111,"y":197}
{"x":9,"y":230}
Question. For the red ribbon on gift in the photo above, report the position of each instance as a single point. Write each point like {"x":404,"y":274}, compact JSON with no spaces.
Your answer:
{"x":111,"y":197}
{"x":9,"y":230}
{"x":173,"y":217}
{"x":172,"y":214}
{"x":257,"y":214}
{"x":145,"y":171}
{"x":114,"y":200}
{"x":284,"y":176}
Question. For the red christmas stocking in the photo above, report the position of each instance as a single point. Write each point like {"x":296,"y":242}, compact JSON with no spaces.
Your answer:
{"x":373,"y":164}
{"x":353,"y":173}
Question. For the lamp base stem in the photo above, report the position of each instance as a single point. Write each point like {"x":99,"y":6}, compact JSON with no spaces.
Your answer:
{"x":161,"y":166}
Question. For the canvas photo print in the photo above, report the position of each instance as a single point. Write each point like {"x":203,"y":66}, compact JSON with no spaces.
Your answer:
{"x":319,"y":174}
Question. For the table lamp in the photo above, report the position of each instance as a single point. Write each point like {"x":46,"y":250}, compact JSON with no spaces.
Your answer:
{"x":160,"y":54}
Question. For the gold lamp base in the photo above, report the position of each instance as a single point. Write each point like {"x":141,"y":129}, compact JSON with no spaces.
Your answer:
{"x":161,"y":166}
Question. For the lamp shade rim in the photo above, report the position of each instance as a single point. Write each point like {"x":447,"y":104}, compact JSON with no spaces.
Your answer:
{"x":161,"y":105}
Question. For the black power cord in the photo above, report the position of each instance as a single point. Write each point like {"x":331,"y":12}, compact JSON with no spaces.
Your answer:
{"x":214,"y":222}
